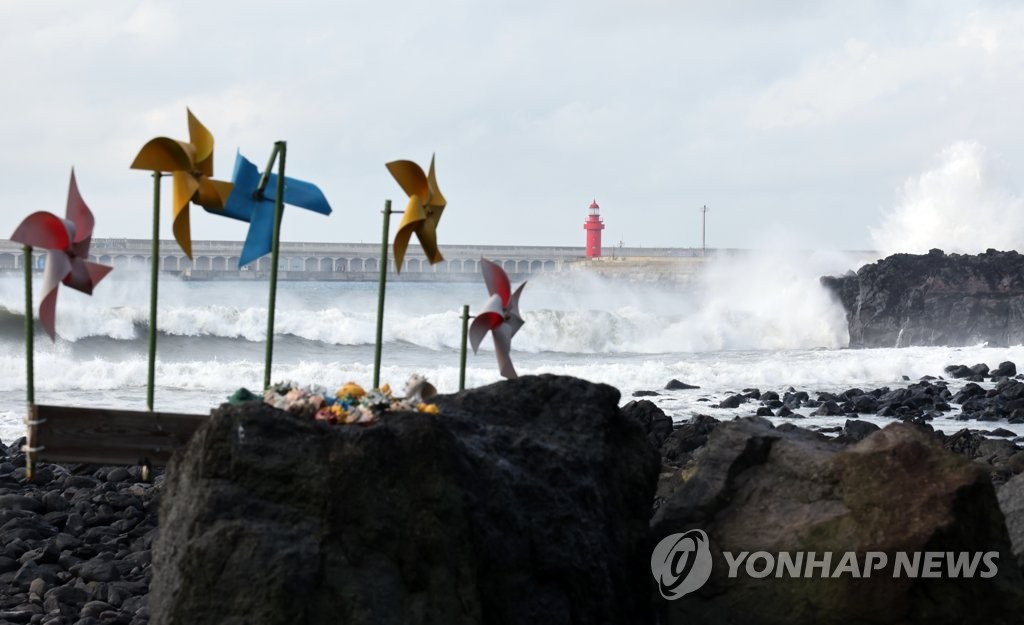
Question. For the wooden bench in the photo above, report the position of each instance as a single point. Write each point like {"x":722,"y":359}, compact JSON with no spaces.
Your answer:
{"x":105,"y":436}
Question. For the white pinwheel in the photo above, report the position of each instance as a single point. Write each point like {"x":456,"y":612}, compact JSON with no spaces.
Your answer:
{"x":500,"y":316}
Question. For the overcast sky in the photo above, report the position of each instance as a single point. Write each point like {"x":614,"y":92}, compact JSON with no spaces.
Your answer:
{"x":854,"y":125}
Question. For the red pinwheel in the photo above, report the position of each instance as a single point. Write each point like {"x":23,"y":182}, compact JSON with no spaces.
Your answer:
{"x":500,"y":316}
{"x":67,"y":241}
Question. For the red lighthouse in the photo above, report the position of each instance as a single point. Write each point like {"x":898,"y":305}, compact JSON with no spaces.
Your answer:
{"x":593,"y":225}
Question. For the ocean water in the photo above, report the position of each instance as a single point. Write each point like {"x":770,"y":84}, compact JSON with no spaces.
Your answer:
{"x":757,"y":320}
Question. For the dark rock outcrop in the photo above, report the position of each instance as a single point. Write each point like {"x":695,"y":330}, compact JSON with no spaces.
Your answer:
{"x":733,"y":401}
{"x":525,"y":501}
{"x":686,"y":438}
{"x":856,"y":430}
{"x":754,"y":488}
{"x":934,"y":299}
{"x":676,"y":385}
{"x":1011,"y":500}
{"x":654,"y":421}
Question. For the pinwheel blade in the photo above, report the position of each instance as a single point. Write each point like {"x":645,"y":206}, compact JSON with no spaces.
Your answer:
{"x":489,"y":317}
{"x":212,"y":194}
{"x":243,"y":204}
{"x":410,"y":177}
{"x":79,"y":214}
{"x":496,"y":280}
{"x":246,"y":178}
{"x":411,"y":219}
{"x":502,"y":346}
{"x":482,"y":324}
{"x":184,"y":187}
{"x":166,"y":155}
{"x":58,"y":266}
{"x":43,"y":230}
{"x":427,"y":234}
{"x":202,"y":139}
{"x":512,"y":316}
{"x":85,"y":275}
{"x":435,"y":199}
{"x":302,"y":194}
{"x":259,"y":240}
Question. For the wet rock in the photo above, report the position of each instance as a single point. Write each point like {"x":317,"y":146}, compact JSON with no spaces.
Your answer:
{"x":733,"y":401}
{"x":676,"y":385}
{"x":755,"y":488}
{"x":20,"y":502}
{"x":856,"y":430}
{"x":980,"y":369}
{"x":64,"y":599}
{"x":864,"y":404}
{"x":654,"y":421}
{"x":686,"y":437}
{"x":829,"y":409}
{"x":524,"y":501}
{"x":1006,"y":369}
{"x":646,"y":394}
{"x":98,"y":569}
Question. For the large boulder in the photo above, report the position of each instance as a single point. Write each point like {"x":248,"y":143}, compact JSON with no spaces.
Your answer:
{"x":1011,"y":501}
{"x":753,"y":488}
{"x":525,"y":501}
{"x":934,"y":299}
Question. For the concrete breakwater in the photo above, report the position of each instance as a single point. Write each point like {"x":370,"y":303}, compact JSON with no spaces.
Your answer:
{"x":360,"y":261}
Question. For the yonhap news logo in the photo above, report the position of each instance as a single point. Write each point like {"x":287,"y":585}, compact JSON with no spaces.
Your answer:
{"x":682,"y":563}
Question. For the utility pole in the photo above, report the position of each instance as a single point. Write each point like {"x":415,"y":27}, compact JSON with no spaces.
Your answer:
{"x":703,"y":230}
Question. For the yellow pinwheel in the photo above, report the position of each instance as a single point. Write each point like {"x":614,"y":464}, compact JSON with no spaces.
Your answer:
{"x":191,"y":167}
{"x":422,"y":213}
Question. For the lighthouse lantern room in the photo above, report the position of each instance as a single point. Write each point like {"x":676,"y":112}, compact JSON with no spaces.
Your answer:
{"x":594,"y":226}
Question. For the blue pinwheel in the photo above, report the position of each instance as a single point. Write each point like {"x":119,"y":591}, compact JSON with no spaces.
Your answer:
{"x":248,"y":202}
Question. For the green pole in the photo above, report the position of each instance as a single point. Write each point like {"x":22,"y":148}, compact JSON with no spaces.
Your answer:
{"x":380,"y":293}
{"x":29,"y":329}
{"x":280,"y":148}
{"x":262,"y":186}
{"x":30,"y":392}
{"x":153,"y":279}
{"x":462,"y":350}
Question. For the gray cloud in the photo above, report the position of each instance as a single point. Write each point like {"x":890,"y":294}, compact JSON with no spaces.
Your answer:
{"x":799,"y":117}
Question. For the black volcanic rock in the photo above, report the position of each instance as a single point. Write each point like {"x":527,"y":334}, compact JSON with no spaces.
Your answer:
{"x":1006,"y":369}
{"x":655,"y":422}
{"x":934,"y":299}
{"x":755,"y":488}
{"x":525,"y":501}
{"x":676,"y":385}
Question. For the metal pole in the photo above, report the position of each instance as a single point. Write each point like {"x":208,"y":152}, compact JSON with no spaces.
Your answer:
{"x":280,"y":148}
{"x":380,"y":293}
{"x":30,"y":393}
{"x":462,"y":347}
{"x":703,"y":231}
{"x":153,"y":279}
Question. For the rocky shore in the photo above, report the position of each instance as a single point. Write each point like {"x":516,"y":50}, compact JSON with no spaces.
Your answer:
{"x":538,"y":496}
{"x":75,"y":542}
{"x":934,"y":299}
{"x":917,"y":402}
